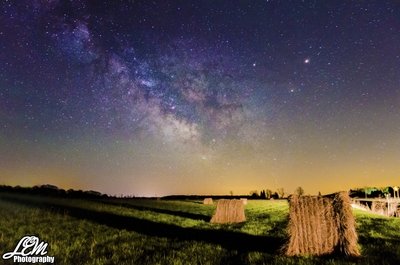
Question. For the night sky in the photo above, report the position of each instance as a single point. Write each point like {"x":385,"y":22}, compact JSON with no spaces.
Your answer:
{"x":200,"y":97}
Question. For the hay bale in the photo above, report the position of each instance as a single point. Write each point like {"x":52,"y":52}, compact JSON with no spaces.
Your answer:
{"x":208,"y":201}
{"x":320,"y":225}
{"x":229,"y":211}
{"x":244,"y":201}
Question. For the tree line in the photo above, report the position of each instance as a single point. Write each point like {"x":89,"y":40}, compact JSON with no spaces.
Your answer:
{"x":373,"y":192}
{"x":52,"y":190}
{"x":268,"y":194}
{"x":278,"y":194}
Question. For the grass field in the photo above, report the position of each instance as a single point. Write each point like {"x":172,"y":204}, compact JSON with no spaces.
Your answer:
{"x":118,"y":231}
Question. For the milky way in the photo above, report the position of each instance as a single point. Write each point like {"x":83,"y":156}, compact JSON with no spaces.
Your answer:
{"x":161,"y":97}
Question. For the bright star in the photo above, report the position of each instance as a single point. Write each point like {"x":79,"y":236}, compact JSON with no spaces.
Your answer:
{"x":307,"y":60}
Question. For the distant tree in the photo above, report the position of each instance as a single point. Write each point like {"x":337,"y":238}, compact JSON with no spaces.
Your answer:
{"x":357,"y":193}
{"x":254,"y":194}
{"x":49,"y":186}
{"x":281,"y":192}
{"x":268,"y":194}
{"x":299,"y":191}
{"x":231,"y":192}
{"x":275,"y":195}
{"x":262,"y":194}
{"x":385,"y":190}
{"x":319,"y":193}
{"x":369,"y":190}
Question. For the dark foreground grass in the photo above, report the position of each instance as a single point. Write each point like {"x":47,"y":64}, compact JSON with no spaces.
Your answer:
{"x":117,"y":231}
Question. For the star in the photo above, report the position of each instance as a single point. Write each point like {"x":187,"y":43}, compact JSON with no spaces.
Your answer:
{"x":307,"y":60}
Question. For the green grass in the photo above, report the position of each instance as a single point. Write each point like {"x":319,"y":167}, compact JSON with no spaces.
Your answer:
{"x":172,"y":232}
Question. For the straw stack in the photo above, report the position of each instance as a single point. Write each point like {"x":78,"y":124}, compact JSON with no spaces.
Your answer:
{"x":321,"y":225}
{"x":229,"y":211}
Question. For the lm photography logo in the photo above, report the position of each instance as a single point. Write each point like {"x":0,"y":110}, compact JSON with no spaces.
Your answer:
{"x":30,"y":250}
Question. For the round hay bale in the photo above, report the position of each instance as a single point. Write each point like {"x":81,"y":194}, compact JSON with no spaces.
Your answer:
{"x":320,"y":225}
{"x":208,"y":201}
{"x":229,"y":211}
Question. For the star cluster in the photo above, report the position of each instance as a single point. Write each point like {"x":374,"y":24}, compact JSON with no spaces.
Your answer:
{"x":161,"y":97}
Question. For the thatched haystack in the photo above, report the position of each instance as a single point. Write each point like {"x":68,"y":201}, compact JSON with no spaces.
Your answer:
{"x":208,"y":201}
{"x":229,"y":211}
{"x":244,"y":201}
{"x":321,"y":225}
